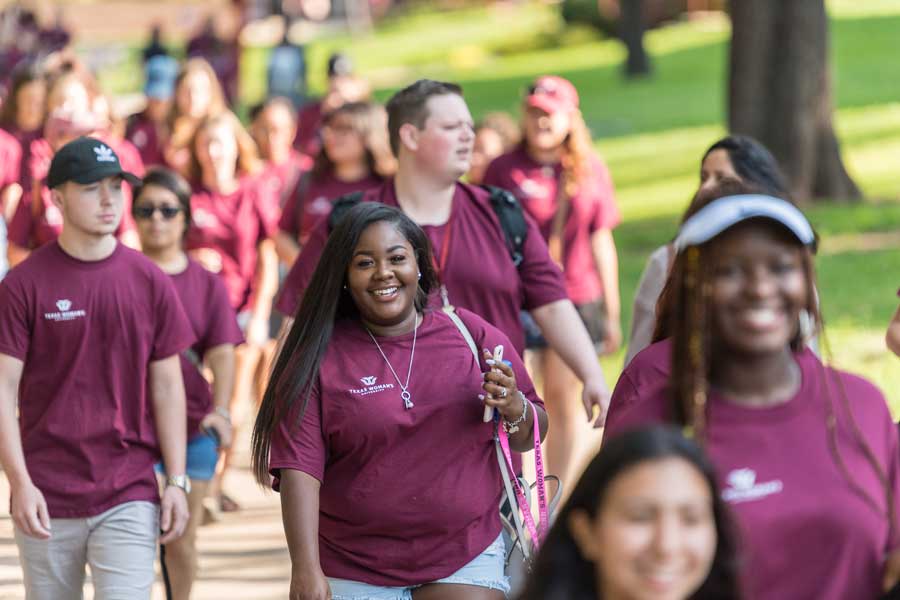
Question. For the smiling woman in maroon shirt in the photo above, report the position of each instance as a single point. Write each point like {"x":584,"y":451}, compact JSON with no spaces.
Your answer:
{"x":372,"y":426}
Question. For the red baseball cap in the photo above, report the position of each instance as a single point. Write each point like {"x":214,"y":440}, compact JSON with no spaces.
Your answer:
{"x":552,"y":94}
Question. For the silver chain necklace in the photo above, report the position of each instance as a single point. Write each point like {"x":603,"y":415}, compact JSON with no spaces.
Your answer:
{"x":404,"y":393}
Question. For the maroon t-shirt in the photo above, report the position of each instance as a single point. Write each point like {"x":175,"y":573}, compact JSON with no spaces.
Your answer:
{"x":479,"y":273}
{"x":144,"y":135}
{"x":806,"y":531}
{"x":407,"y":496}
{"x":25,"y":138}
{"x":87,"y":332}
{"x":213,"y":321}
{"x":37,"y":222}
{"x":592,"y":209}
{"x":277,"y":178}
{"x":233,"y":225}
{"x":309,"y":122}
{"x":312,"y":199}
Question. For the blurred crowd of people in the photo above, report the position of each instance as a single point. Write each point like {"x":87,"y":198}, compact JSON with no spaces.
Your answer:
{"x":335,"y":267}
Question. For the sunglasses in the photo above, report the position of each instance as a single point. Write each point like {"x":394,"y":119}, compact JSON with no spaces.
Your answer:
{"x":146,"y":212}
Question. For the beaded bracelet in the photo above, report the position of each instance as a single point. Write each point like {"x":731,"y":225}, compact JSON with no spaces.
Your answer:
{"x":513,"y":426}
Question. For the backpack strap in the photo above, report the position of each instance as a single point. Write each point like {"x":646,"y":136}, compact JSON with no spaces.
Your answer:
{"x":340,"y":207}
{"x":512,"y":220}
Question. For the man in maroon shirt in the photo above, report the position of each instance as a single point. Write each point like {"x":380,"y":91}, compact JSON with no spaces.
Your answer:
{"x":89,"y":327}
{"x":432,"y":133}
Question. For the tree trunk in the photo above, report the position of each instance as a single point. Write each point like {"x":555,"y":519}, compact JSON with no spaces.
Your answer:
{"x":780,"y":92}
{"x":632,"y":32}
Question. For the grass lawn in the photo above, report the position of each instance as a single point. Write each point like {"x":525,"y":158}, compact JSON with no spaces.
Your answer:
{"x":653,"y":132}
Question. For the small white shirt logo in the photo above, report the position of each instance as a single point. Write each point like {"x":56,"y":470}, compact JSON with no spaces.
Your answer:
{"x":370,"y":386}
{"x":65,"y":312}
{"x":104,"y":154}
{"x":742,"y":487}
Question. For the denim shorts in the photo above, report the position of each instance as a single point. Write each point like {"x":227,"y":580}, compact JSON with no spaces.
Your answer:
{"x":202,"y":456}
{"x":485,"y":570}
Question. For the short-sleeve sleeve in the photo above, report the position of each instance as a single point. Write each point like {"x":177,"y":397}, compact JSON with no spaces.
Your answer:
{"x":15,"y":329}
{"x":606,"y":210}
{"x":10,"y":161}
{"x":542,"y":281}
{"x":173,"y":331}
{"x":301,"y":272}
{"x":221,"y":324}
{"x":268,"y":210}
{"x":299,"y":443}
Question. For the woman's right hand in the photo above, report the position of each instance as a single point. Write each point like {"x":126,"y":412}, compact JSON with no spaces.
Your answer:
{"x":309,"y":584}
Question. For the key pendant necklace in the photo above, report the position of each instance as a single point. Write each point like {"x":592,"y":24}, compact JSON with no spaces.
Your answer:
{"x":404,"y":391}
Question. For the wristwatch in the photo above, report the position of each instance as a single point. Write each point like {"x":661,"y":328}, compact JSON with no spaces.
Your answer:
{"x":180,"y":481}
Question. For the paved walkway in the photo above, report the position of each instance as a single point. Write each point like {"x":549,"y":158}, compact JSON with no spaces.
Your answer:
{"x":243,"y":557}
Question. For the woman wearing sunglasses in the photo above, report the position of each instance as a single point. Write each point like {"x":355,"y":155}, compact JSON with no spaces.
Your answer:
{"x":162,"y":212}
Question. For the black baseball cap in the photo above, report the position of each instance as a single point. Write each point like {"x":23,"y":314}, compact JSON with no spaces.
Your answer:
{"x":86,"y":160}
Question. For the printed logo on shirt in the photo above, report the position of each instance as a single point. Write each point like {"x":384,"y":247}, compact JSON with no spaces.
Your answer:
{"x":203,"y":218}
{"x":743,"y":487}
{"x":104,"y":154}
{"x":65,"y":312}
{"x":370,"y":386}
{"x":319,"y":206}
{"x":139,"y":138}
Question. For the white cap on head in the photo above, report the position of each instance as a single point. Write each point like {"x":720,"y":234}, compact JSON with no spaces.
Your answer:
{"x":719,"y":215}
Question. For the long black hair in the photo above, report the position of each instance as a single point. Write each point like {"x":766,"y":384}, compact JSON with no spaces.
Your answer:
{"x":324,"y":302}
{"x":561,"y":572}
{"x":753,"y":163}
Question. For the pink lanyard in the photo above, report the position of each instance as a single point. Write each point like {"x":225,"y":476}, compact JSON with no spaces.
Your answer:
{"x":536,"y":532}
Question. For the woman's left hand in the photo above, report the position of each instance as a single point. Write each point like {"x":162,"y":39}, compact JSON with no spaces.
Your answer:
{"x":501,"y":391}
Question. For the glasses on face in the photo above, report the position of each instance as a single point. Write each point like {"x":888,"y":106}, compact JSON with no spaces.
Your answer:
{"x":146,"y":212}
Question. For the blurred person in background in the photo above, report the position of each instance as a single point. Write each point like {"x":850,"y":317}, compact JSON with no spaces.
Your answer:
{"x":495,"y":134}
{"x":148,"y":129}
{"x":343,"y":86}
{"x":154,"y":46}
{"x":22,"y":118}
{"x":273,"y":124}
{"x":565,"y":186}
{"x":217,"y":43}
{"x":162,"y":212}
{"x":70,"y":102}
{"x":734,"y":158}
{"x":198,"y":95}
{"x":232,"y":221}
{"x":355,"y":157}
{"x":645,"y":521}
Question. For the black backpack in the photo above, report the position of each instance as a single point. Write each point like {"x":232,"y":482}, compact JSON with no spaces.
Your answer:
{"x":505,"y":205}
